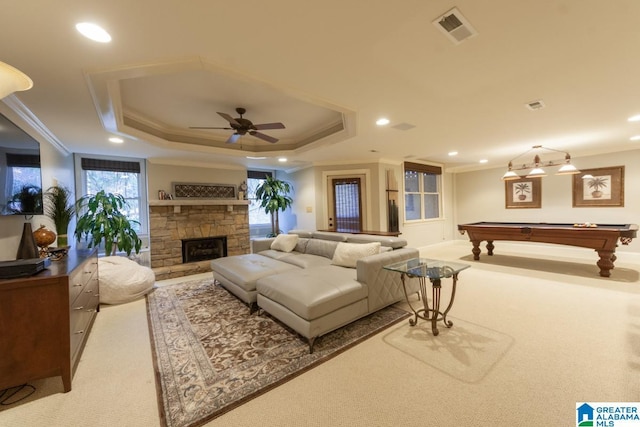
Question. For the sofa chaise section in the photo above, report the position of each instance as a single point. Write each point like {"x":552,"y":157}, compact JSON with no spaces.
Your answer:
{"x":319,"y":300}
{"x":239,"y":273}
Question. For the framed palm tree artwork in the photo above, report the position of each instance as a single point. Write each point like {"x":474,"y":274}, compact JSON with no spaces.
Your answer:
{"x":523,"y":193}
{"x":599,"y":187}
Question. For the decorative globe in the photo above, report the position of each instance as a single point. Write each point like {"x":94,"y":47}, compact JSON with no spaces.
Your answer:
{"x":44,"y":237}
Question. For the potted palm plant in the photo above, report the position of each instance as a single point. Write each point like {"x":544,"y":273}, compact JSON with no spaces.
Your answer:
{"x":27,"y":201}
{"x":521,"y":189}
{"x":274,"y":196}
{"x":596,"y":184}
{"x":103,"y":220}
{"x":60,"y":207}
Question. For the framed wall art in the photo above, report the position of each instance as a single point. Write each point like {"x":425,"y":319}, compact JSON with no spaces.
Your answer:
{"x":523,"y":193}
{"x":599,"y":187}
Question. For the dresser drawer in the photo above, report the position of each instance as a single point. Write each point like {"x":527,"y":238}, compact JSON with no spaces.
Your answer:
{"x":79,"y":278}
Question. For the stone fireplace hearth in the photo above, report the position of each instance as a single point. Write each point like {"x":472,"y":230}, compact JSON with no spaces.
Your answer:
{"x":169,"y":226}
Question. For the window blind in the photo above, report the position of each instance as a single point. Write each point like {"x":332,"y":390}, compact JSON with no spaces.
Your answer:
{"x":90,"y":164}
{"x":419,"y":167}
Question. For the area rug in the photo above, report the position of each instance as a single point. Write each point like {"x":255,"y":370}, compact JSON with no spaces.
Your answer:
{"x":466,"y":351}
{"x":210,"y":355}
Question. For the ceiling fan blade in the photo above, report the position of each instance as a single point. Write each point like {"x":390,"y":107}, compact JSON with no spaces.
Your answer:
{"x":264,"y":126}
{"x":233,"y":138}
{"x":264,"y":137}
{"x":207,"y":127}
{"x":229,"y":118}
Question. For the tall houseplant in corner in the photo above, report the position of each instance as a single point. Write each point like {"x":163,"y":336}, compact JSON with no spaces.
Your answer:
{"x":102,"y":219}
{"x":60,"y":207}
{"x":274,"y":196}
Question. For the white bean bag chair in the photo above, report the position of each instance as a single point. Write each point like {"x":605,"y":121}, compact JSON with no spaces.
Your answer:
{"x":123,"y":280}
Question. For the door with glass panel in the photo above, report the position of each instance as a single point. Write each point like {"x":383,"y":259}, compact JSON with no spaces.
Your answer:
{"x":345,"y":205}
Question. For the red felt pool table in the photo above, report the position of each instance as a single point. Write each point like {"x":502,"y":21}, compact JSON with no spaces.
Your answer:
{"x":603,"y":238}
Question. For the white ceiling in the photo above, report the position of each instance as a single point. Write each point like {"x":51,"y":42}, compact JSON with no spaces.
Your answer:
{"x":312,"y":66}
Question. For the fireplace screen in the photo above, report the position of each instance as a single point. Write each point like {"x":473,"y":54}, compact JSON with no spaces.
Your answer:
{"x":203,"y":249}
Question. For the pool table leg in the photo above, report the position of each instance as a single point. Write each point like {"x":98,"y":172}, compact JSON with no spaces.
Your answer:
{"x":490,"y":247}
{"x":476,"y":249}
{"x":606,"y":262}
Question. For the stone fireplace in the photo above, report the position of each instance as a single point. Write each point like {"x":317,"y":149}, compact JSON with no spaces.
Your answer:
{"x":173,"y":222}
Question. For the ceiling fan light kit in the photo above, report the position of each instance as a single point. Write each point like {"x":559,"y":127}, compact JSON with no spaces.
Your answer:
{"x":242,"y":126}
{"x":535,"y":168}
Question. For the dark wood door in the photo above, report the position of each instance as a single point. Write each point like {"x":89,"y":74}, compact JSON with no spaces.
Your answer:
{"x":347,"y":205}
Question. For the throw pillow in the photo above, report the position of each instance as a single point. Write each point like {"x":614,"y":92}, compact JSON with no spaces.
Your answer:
{"x":347,"y":254}
{"x":285,"y":242}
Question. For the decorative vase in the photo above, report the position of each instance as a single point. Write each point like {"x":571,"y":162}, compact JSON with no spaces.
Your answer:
{"x":62,"y":240}
{"x":28,"y":248}
{"x":44,"y":238}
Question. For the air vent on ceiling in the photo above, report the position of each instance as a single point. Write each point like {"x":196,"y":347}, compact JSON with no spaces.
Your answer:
{"x":455,"y":26}
{"x":535,"y":105}
{"x":403,"y":126}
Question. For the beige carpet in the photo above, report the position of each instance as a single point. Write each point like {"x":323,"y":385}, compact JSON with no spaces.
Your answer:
{"x":575,"y":337}
{"x":466,"y":351}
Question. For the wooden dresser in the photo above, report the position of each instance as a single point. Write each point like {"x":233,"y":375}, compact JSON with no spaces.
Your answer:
{"x":45,"y":320}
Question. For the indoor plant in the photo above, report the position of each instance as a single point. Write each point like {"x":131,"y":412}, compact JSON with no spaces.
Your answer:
{"x":27,"y":201}
{"x":521,"y":189}
{"x":60,"y":207}
{"x":102,"y":219}
{"x":596,"y":184}
{"x":274,"y":196}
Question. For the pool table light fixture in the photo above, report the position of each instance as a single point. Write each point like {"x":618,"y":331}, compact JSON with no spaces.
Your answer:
{"x":535,"y":168}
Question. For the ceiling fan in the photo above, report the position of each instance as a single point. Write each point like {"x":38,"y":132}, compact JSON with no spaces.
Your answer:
{"x":243,"y":126}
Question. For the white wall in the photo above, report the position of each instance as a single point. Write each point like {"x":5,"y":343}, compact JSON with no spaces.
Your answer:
{"x":302,"y":215}
{"x":480,"y":196}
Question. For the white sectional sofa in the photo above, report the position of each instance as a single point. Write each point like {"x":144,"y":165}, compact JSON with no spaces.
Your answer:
{"x":316,"y":282}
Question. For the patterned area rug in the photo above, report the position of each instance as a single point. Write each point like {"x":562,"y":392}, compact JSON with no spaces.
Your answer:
{"x":210,"y":355}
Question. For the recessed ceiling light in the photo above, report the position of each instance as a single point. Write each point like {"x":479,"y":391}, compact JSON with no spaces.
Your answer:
{"x":93,"y":32}
{"x":453,"y":153}
{"x":256,"y":158}
{"x":635,"y":118}
{"x":635,"y":138}
{"x":383,"y":121}
{"x":116,"y":140}
{"x":484,"y":161}
{"x":282,"y":159}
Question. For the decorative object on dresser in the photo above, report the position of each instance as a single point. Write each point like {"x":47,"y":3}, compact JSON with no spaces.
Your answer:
{"x":45,"y":320}
{"x":43,"y":239}
{"x":60,"y":207}
{"x":27,"y":248}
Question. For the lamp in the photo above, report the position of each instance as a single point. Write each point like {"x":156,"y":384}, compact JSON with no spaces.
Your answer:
{"x":535,"y":167}
{"x":12,"y":80}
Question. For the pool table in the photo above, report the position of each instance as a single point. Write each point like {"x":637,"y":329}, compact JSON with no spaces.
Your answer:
{"x":603,"y":238}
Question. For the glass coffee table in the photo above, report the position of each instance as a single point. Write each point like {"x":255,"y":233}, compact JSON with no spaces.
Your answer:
{"x":435,"y":271}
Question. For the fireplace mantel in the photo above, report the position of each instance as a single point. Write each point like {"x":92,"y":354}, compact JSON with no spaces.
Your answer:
{"x":176,"y":203}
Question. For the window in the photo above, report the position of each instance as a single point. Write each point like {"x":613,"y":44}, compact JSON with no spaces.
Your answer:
{"x":421,"y":191}
{"x":259,"y":220}
{"x":119,"y":176}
